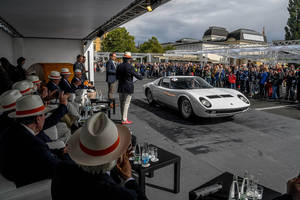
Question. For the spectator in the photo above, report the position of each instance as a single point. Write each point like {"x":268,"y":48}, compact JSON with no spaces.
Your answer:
{"x":79,"y":64}
{"x":111,"y":75}
{"x":275,"y":79}
{"x":76,"y":82}
{"x":25,"y":87}
{"x":21,"y":73}
{"x":125,"y":73}
{"x":290,"y":85}
{"x":25,"y":157}
{"x":7,"y":105}
{"x":263,"y":76}
{"x":53,"y":84}
{"x":64,"y":83}
{"x":5,"y":81}
{"x":93,"y":174}
{"x":232,"y":80}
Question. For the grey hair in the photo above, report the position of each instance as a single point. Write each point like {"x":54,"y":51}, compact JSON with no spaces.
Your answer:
{"x":99,"y":169}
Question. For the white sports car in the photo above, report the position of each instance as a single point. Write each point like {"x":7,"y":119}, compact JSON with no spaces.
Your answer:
{"x":193,"y":95}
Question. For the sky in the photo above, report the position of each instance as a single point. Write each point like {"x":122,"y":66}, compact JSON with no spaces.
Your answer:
{"x":191,"y":18}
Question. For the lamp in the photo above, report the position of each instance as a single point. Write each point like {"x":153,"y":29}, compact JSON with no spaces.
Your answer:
{"x":149,"y":6}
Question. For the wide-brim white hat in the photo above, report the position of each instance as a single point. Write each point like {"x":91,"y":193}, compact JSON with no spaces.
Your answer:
{"x":8,"y":100}
{"x":65,"y":71}
{"x":100,"y":141}
{"x":34,"y":79}
{"x":55,"y":75}
{"x":28,"y":106}
{"x":25,"y":87}
{"x":127,"y":54}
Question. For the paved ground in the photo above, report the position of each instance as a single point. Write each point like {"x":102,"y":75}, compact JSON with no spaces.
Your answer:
{"x":263,"y":141}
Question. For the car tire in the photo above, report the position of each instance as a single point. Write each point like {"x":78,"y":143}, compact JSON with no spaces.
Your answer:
{"x":149,"y":97}
{"x":185,"y":108}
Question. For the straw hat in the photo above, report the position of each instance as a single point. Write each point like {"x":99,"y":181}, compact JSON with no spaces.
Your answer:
{"x":55,"y":75}
{"x":27,"y":106}
{"x":78,"y":71}
{"x":65,"y":71}
{"x":100,"y":141}
{"x":25,"y":87}
{"x":127,"y":54}
{"x":34,"y":79}
{"x":32,"y":85}
{"x":8,"y":100}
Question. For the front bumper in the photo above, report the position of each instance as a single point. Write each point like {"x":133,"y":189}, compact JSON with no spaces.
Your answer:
{"x":214,"y":113}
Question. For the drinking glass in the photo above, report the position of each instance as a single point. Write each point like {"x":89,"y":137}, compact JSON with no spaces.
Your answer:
{"x":251,"y":190}
{"x":145,"y":157}
{"x":137,"y":155}
{"x":154,"y":154}
{"x":259,"y":192}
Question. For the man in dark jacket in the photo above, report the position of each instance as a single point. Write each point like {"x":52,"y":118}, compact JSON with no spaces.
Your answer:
{"x":94,"y":174}
{"x":53,"y":84}
{"x":26,"y":158}
{"x":5,"y":81}
{"x":79,"y":64}
{"x":125,"y":74}
{"x":111,"y":75}
{"x":64,"y":83}
{"x":21,"y":73}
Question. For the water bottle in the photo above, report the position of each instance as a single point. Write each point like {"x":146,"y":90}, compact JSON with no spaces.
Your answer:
{"x":245,"y":185}
{"x":234,"y":193}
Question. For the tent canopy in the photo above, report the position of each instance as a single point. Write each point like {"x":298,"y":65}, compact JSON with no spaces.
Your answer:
{"x":68,"y":19}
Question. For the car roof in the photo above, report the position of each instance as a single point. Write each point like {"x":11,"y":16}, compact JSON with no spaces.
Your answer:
{"x":181,"y":77}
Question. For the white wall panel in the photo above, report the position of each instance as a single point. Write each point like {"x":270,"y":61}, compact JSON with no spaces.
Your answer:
{"x":6,"y":46}
{"x":50,"y":50}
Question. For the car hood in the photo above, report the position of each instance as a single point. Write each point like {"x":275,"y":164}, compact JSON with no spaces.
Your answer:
{"x":212,"y":92}
{"x":220,"y":98}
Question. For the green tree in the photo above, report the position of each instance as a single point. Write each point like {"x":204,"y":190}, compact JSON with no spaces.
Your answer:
{"x":151,"y":46}
{"x":168,"y":48}
{"x":292,"y":30}
{"x":118,"y":40}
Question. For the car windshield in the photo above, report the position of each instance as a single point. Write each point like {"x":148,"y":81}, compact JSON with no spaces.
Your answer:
{"x":189,"y":83}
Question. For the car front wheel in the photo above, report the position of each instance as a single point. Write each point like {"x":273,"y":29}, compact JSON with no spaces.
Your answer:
{"x":185,"y":108}
{"x":150,"y":97}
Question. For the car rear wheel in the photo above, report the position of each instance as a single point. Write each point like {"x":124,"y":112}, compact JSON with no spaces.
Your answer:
{"x":150,"y":97}
{"x":185,"y":108}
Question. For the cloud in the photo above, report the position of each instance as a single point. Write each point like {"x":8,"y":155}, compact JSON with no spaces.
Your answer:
{"x":190,"y":18}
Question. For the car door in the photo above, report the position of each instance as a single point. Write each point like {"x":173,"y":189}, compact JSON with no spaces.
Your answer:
{"x":165,"y":93}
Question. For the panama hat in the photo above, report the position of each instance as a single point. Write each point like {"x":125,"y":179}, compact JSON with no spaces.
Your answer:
{"x":8,"y":100}
{"x":25,"y":87}
{"x":100,"y":141}
{"x":27,"y":106}
{"x":34,"y":79}
{"x":54,"y":75}
{"x":32,"y":86}
{"x":127,"y":54}
{"x":78,"y":71}
{"x":65,"y":71}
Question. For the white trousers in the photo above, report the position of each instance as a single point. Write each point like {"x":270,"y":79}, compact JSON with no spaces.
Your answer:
{"x":124,"y":104}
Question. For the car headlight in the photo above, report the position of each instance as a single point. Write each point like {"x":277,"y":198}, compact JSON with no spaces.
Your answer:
{"x":243,"y":99}
{"x":205,"y":102}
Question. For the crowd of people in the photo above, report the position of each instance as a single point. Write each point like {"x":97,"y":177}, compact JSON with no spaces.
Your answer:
{"x":260,"y":81}
{"x":36,"y":141}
